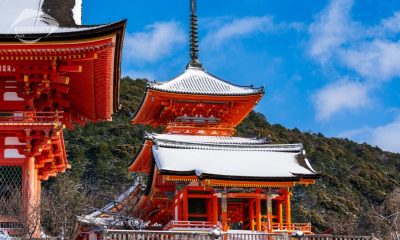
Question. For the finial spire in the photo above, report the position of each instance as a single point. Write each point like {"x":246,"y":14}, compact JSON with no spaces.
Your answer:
{"x":194,"y":38}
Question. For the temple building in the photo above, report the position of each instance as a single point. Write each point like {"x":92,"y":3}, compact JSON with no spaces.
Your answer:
{"x":199,"y":174}
{"x":54,"y":73}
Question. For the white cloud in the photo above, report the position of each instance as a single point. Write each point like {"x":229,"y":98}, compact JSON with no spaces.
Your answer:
{"x":338,"y":96}
{"x":225,"y":28}
{"x":158,"y":41}
{"x":239,"y":27}
{"x":385,"y":136}
{"x":392,"y":24}
{"x":331,"y":29}
{"x":368,"y":53}
{"x":378,"y":60}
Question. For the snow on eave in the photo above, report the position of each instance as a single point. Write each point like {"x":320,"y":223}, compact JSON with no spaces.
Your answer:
{"x":209,"y":140}
{"x":121,"y":198}
{"x":77,"y":12}
{"x":198,"y":81}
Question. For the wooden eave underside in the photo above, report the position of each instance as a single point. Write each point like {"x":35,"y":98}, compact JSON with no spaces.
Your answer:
{"x":152,"y":105}
{"x":45,"y":143}
{"x":70,"y":46}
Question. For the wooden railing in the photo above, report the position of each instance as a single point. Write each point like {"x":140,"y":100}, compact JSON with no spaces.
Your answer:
{"x":304,"y":227}
{"x":30,"y":116}
{"x":204,"y":235}
{"x":335,"y":237}
{"x":187,"y":235}
{"x":189,"y":225}
{"x":9,"y":224}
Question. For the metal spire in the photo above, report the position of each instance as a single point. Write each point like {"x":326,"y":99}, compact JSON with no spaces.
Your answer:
{"x":194,"y":38}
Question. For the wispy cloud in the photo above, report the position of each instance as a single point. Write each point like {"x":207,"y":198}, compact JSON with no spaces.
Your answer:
{"x":369,"y":53}
{"x":224,"y":28}
{"x":331,"y":30}
{"x":377,"y":60}
{"x":156,"y":42}
{"x":385,"y":136}
{"x":338,"y":96}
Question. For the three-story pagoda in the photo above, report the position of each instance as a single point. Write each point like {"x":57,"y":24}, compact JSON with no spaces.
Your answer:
{"x":199,"y":174}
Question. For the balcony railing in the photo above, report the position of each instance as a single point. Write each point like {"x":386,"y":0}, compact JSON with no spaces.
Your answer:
{"x":190,"y":225}
{"x":203,"y":235}
{"x":10,"y":224}
{"x":304,"y":227}
{"x":188,"y":235}
{"x":30,"y":117}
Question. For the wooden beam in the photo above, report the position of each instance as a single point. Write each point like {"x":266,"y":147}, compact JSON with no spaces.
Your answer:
{"x":70,"y":68}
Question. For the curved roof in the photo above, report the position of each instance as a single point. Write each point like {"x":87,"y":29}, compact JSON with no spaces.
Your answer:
{"x":235,"y":158}
{"x":197,"y":81}
{"x":238,"y":163}
{"x":212,"y":140}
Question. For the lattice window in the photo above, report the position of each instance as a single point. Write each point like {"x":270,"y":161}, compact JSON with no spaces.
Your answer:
{"x":10,"y":190}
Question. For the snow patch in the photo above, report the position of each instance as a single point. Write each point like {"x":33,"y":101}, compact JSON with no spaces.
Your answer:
{"x":77,"y":12}
{"x":12,"y":9}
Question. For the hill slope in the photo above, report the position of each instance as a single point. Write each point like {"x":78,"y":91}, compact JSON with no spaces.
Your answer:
{"x":354,"y":176}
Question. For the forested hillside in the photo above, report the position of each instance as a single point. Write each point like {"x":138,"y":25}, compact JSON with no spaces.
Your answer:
{"x":355,"y":177}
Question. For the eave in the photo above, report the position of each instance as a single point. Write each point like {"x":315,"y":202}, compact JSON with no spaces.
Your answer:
{"x":115,"y":30}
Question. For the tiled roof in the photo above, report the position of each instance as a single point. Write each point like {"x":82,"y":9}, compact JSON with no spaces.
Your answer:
{"x":213,"y":140}
{"x":197,"y":81}
{"x":228,"y":157}
{"x":233,"y":162}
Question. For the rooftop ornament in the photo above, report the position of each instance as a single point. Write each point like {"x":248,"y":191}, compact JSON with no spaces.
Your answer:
{"x":194,"y":38}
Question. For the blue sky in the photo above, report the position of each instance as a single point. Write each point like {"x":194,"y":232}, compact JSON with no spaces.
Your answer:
{"x":328,"y":66}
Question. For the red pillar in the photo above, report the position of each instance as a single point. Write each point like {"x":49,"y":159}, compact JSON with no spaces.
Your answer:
{"x":224,"y":209}
{"x":258,"y":214}
{"x":269,"y":212}
{"x":31,"y":198}
{"x":279,"y":212}
{"x":288,"y":213}
{"x":185,"y":205}
{"x":215,"y":209}
{"x":251,"y":214}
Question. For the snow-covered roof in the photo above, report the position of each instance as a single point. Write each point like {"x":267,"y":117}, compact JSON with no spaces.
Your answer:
{"x":106,"y":216}
{"x":218,"y":140}
{"x":229,"y":157}
{"x":197,"y":81}
{"x":31,"y":14}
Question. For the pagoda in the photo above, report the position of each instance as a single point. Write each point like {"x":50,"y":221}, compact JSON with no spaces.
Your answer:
{"x":59,"y":74}
{"x":199,"y":173}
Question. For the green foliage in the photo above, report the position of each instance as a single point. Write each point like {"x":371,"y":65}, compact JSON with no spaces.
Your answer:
{"x":354,"y":176}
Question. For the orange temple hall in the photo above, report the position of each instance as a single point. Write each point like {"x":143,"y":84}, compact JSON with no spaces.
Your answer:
{"x":48,"y":82}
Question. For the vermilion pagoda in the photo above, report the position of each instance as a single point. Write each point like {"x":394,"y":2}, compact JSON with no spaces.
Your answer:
{"x":49,"y":80}
{"x":198,"y":173}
